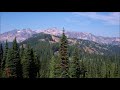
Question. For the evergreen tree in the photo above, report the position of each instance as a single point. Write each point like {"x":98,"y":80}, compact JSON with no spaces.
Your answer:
{"x":32,"y":67}
{"x":1,"y":54}
{"x":82,"y":70}
{"x":64,"y":56}
{"x":74,"y":66}
{"x":116,"y":69}
{"x":21,"y":51}
{"x":108,"y":68}
{"x":16,"y":59}
{"x":57,"y":67}
{"x":87,"y":67}
{"x":98,"y":68}
{"x":52,"y":68}
{"x":9,"y":65}
{"x":37,"y":65}
{"x":25,"y":64}
{"x":28,"y":64}
{"x":4,"y":56}
{"x":1,"y":57}
{"x":119,"y":67}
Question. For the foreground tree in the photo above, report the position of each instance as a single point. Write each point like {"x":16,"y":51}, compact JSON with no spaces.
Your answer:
{"x":25,"y":64}
{"x":4,"y":56}
{"x":1,"y":54}
{"x":82,"y":70}
{"x":3,"y":62}
{"x":52,"y":68}
{"x":28,"y":63}
{"x":64,"y":56}
{"x":13,"y":66}
{"x":75,"y":64}
{"x":1,"y":57}
{"x":16,"y":59}
{"x":21,"y":52}
{"x":9,"y":65}
{"x":37,"y":65}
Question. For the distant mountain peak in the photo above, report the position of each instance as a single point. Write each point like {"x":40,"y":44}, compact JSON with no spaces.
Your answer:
{"x":21,"y":35}
{"x":24,"y":34}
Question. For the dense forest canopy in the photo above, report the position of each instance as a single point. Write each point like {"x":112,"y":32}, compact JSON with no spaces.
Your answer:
{"x":42,"y":57}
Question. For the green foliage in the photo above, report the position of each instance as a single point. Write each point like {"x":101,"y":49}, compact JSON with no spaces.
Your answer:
{"x":1,"y":58}
{"x":75,"y":64}
{"x":55,"y":69}
{"x":37,"y":65}
{"x":21,"y":51}
{"x":91,"y":65}
{"x":25,"y":64}
{"x":64,"y":56}
{"x":4,"y":56}
{"x":9,"y":65}
{"x":13,"y":67}
{"x":52,"y":68}
{"x":16,"y":59}
{"x":1,"y":54}
{"x":40,"y":59}
{"x":29,"y":63}
{"x":83,"y":70}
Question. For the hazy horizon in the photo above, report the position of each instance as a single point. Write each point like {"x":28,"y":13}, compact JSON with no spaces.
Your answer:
{"x":98,"y":23}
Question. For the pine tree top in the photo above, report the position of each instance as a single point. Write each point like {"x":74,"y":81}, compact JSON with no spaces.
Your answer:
{"x":63,"y":30}
{"x":15,"y":45}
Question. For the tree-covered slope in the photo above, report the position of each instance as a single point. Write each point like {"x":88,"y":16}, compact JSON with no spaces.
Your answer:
{"x":47,"y":41}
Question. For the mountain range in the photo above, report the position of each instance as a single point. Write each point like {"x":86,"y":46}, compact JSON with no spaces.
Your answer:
{"x":24,"y":34}
{"x":43,"y":41}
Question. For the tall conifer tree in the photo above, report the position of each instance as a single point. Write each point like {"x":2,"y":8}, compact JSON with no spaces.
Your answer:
{"x":25,"y":63}
{"x":21,"y":51}
{"x":37,"y":65}
{"x":28,"y":64}
{"x":16,"y":59}
{"x":1,"y":57}
{"x":64,"y":56}
{"x":1,"y":54}
{"x":75,"y":64}
{"x":4,"y":56}
{"x":9,"y":65}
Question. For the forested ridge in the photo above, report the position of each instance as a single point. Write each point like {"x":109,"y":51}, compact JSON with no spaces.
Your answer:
{"x":41,"y":57}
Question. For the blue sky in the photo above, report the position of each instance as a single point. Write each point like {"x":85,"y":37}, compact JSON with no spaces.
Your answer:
{"x":97,"y":23}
